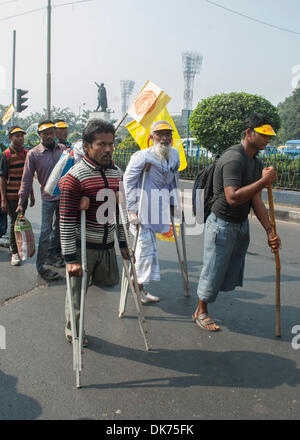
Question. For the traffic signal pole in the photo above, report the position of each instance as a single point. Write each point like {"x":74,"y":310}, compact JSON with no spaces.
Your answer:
{"x":13,"y":75}
{"x":48,"y":115}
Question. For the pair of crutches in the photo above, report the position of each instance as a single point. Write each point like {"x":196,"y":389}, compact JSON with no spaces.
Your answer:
{"x":126,"y":275}
{"x":129,"y":276}
{"x":77,"y":336}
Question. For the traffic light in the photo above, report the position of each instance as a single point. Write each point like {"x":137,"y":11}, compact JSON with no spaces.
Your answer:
{"x":20,"y":100}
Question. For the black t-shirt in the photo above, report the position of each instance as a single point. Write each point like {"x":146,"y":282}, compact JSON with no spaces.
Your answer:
{"x":234,"y":168}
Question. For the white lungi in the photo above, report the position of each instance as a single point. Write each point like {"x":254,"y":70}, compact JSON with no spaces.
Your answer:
{"x":147,"y":264}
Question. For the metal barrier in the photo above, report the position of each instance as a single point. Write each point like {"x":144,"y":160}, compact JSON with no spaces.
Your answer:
{"x":288,"y":168}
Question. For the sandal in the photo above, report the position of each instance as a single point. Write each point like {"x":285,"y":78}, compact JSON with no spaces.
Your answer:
{"x":202,"y":322}
{"x":49,"y":275}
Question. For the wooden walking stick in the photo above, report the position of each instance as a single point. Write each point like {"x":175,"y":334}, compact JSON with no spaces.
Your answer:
{"x":277,"y":261}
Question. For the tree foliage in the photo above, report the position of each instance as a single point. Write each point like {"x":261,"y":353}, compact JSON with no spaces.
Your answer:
{"x":128,"y":144}
{"x":217,"y":121}
{"x":289,"y":112}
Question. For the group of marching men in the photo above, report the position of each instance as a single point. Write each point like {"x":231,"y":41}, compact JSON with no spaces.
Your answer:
{"x":238,"y":181}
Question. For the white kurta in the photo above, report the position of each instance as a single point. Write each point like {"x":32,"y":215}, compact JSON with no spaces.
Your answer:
{"x":160,"y":191}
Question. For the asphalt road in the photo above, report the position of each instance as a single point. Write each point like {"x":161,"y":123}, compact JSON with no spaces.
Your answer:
{"x":242,"y":372}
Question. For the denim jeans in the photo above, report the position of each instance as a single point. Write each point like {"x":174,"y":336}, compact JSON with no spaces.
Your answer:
{"x":225,"y":247}
{"x":50,"y":226}
{"x":3,"y":223}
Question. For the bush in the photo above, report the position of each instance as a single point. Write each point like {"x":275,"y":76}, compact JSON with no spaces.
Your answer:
{"x":217,"y":121}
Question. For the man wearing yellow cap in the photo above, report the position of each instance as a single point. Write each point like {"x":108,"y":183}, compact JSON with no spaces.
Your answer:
{"x":61,"y":133}
{"x":239,"y":178}
{"x":159,"y":195}
{"x":11,"y":170}
{"x":41,"y":160}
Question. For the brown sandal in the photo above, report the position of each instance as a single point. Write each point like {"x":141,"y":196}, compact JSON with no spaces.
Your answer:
{"x":203,"y":322}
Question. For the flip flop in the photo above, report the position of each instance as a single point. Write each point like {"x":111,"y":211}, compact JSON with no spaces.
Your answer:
{"x":199,"y":320}
{"x":49,"y":275}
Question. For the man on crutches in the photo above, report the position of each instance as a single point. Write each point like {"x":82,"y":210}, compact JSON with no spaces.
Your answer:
{"x":98,"y":179}
{"x":151,"y":176}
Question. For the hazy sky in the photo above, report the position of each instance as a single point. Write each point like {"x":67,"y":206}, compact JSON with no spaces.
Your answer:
{"x":108,"y":41}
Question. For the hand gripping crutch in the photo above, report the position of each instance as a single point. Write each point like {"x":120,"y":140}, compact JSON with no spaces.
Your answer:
{"x":182,"y":259}
{"x":77,"y":339}
{"x":124,"y":284}
{"x":134,"y":286}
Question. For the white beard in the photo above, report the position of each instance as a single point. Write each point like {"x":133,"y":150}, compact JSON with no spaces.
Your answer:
{"x":162,"y":151}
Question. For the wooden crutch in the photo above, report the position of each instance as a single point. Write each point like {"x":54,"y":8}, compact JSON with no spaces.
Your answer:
{"x":277,"y":260}
{"x":129,"y":274}
{"x":124,"y":283}
{"x":182,"y":259}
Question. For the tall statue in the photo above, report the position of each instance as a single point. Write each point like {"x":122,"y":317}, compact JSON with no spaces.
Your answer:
{"x":102,"y":99}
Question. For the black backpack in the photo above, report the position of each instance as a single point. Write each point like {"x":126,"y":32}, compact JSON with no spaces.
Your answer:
{"x":204,"y":180}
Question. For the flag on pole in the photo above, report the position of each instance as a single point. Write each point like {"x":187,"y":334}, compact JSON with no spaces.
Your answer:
{"x":169,"y":236}
{"x":8,"y":114}
{"x":148,"y":104}
{"x":141,"y":135}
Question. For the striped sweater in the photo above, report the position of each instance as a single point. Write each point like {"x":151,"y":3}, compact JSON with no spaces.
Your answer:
{"x":11,"y":167}
{"x":86,"y":178}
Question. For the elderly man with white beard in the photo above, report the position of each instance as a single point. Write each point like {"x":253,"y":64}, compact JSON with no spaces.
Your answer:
{"x":159,"y":198}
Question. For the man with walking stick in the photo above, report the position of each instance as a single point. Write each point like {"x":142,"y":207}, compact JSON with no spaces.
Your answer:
{"x":98,"y":179}
{"x":151,"y":176}
{"x":238,"y":182}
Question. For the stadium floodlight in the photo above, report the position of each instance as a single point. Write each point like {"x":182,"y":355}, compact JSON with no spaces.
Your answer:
{"x":127,"y":87}
{"x":192,"y":62}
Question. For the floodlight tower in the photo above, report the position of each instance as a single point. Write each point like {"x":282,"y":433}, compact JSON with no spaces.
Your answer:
{"x":192,"y":62}
{"x":127,"y":87}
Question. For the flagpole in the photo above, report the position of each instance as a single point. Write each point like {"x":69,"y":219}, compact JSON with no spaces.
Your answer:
{"x":120,"y":122}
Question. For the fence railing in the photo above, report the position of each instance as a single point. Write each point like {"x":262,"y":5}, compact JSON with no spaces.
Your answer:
{"x":288,"y":168}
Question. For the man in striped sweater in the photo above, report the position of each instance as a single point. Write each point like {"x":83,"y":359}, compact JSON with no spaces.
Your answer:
{"x":11,"y":170}
{"x":97,"y":178}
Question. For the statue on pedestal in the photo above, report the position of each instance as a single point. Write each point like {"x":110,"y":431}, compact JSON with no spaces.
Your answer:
{"x":102,"y":99}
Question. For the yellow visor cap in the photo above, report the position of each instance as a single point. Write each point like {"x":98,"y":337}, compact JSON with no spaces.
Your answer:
{"x":161,"y":127}
{"x":17,"y":130}
{"x":265,"y":129}
{"x":61,"y":125}
{"x":45,"y":126}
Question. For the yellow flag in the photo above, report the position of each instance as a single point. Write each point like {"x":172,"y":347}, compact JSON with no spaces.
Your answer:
{"x":141,"y":135}
{"x":169,"y":236}
{"x":8,"y":114}
{"x":150,"y":101}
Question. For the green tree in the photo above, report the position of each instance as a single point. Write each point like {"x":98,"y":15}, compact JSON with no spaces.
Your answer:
{"x":289,"y":112}
{"x":128,"y":144}
{"x":217,"y":121}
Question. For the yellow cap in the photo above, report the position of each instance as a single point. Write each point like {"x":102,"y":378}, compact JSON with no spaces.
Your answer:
{"x":46,"y":126}
{"x":265,"y":129}
{"x":17,"y":130}
{"x":61,"y":124}
{"x":161,"y":125}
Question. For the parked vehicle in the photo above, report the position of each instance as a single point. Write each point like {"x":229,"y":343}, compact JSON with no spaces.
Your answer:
{"x":292,"y":148}
{"x":194,"y":149}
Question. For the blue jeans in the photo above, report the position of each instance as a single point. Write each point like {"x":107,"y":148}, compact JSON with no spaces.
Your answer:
{"x":50,"y":226}
{"x":3,"y":223}
{"x":225,"y":247}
